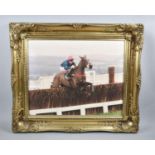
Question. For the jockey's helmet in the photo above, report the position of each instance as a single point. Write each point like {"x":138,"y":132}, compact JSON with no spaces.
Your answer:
{"x":70,"y":58}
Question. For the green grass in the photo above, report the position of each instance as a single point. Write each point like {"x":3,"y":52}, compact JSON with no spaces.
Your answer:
{"x":112,"y":114}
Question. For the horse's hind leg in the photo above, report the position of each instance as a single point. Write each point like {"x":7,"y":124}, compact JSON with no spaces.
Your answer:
{"x":51,"y":85}
{"x":55,"y":82}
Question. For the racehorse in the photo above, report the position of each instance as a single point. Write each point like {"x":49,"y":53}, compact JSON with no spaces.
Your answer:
{"x":78,"y":79}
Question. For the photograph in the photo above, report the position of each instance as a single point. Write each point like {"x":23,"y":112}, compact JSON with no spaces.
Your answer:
{"x":76,"y":77}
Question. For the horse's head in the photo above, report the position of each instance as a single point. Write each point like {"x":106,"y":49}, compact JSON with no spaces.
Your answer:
{"x":86,"y":63}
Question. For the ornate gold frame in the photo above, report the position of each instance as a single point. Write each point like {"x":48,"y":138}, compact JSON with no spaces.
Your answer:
{"x":20,"y":33}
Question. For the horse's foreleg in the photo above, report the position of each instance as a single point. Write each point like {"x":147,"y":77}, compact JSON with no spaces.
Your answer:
{"x":91,"y":85}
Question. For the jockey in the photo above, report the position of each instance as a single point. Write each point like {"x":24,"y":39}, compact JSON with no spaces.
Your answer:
{"x":68,"y":66}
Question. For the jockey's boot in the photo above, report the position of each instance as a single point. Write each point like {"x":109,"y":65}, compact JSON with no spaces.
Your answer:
{"x":67,"y":76}
{"x":70,"y":73}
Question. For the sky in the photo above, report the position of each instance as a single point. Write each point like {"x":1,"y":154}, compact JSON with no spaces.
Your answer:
{"x":45,"y":56}
{"x":77,"y":48}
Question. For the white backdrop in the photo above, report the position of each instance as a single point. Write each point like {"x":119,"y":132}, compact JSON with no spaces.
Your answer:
{"x":147,"y":94}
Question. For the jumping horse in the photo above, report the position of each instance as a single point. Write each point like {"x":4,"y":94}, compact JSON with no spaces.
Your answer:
{"x":78,"y":79}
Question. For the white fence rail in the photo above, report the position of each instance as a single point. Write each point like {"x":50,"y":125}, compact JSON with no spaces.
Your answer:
{"x":82,"y":108}
{"x":44,"y":82}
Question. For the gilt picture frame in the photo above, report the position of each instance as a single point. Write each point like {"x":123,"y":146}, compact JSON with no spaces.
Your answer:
{"x":75,"y":77}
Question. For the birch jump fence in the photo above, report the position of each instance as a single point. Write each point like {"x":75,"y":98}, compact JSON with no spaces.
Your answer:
{"x":63,"y":101}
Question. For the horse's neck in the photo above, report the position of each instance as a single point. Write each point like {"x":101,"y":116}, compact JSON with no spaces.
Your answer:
{"x":80,"y":68}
